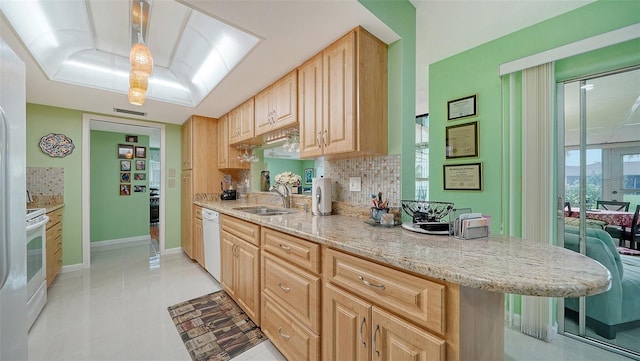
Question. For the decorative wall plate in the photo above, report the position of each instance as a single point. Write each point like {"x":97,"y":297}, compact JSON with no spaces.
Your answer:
{"x":56,"y":145}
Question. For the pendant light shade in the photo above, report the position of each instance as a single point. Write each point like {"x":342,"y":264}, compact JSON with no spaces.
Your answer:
{"x":138,"y":82}
{"x":136,"y":96}
{"x":141,"y":60}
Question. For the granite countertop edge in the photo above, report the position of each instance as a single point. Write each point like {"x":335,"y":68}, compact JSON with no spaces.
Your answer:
{"x":497,"y":263}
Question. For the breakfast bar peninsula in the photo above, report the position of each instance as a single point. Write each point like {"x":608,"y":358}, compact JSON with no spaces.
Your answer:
{"x":335,"y":288}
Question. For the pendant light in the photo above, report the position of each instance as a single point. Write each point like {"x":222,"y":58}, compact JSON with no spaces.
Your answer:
{"x":141,"y":66}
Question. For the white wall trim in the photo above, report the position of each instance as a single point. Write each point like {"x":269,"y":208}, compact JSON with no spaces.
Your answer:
{"x":119,"y":241}
{"x":579,"y":47}
{"x":86,"y":178}
{"x":71,"y":268}
{"x":175,"y":250}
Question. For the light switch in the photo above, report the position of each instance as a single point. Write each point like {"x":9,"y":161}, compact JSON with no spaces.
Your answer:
{"x":354,"y":184}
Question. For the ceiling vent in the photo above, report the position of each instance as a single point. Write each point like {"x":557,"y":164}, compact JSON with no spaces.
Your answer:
{"x":131,"y":112}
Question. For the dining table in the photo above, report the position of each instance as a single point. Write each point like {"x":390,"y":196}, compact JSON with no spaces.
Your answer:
{"x":615,"y":218}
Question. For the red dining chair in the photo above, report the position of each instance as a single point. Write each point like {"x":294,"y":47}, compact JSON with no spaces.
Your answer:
{"x":633,"y":235}
{"x":567,"y":207}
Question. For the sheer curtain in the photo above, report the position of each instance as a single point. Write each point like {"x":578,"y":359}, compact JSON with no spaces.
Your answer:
{"x":538,"y":184}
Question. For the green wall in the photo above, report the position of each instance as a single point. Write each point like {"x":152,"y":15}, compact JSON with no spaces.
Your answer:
{"x":173,"y":164}
{"x":115,"y":216}
{"x":475,"y":71}
{"x":400,"y":16}
{"x":42,"y":120}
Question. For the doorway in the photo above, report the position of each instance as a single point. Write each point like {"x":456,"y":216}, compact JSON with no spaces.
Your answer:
{"x":126,"y":126}
{"x":599,"y":133}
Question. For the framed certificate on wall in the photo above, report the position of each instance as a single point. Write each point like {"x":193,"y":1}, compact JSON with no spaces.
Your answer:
{"x":462,"y":177}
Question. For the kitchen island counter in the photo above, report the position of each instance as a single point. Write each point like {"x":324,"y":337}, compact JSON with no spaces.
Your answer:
{"x":498,"y":263}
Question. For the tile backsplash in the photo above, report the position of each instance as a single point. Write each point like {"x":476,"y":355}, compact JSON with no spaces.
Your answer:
{"x":45,"y":180}
{"x":378,"y":174}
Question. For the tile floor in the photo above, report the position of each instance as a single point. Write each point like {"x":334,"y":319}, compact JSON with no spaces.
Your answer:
{"x":117,"y":310}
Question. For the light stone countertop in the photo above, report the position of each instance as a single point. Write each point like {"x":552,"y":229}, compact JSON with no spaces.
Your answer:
{"x":497,"y":263}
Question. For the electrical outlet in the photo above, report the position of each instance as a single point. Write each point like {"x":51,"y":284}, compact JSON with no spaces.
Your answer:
{"x":355,"y":184}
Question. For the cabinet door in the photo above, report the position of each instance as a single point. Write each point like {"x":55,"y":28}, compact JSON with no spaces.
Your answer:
{"x":248,"y":279}
{"x":285,"y":104}
{"x":339,"y":96}
{"x":394,"y":339}
{"x":187,"y":136}
{"x":227,"y":263}
{"x":246,"y":120}
{"x":310,"y":105}
{"x":347,"y":326}
{"x":263,"y":112}
{"x":198,"y":240}
{"x":223,"y":142}
{"x":187,"y":209}
{"x":234,"y":125}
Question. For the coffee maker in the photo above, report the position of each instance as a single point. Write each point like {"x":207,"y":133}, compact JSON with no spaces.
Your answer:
{"x":226,"y":186}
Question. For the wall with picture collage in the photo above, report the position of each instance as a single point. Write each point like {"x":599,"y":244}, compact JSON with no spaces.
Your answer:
{"x":119,"y":185}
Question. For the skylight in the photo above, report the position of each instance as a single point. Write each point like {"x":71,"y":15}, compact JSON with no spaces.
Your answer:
{"x":87,"y":43}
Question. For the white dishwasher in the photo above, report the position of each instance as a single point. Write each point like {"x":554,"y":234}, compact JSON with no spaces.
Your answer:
{"x":211,"y":235}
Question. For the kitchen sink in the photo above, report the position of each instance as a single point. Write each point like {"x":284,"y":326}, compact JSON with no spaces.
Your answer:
{"x":265,"y":211}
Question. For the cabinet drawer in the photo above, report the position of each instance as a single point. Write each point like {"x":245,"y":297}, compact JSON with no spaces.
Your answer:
{"x":295,"y":290}
{"x":417,"y":299}
{"x":295,"y":341}
{"x":54,"y":217}
{"x":197,"y":212}
{"x":295,"y":250}
{"x":246,"y":230}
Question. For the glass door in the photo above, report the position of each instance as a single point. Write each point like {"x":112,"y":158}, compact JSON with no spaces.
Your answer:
{"x":599,"y":131}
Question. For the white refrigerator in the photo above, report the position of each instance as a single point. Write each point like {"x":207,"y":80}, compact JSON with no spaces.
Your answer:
{"x":13,"y":247}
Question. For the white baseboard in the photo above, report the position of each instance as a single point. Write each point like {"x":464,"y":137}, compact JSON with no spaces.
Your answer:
{"x":71,"y":268}
{"x":111,"y":242}
{"x":175,"y":250}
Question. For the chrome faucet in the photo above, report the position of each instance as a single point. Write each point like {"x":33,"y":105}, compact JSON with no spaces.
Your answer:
{"x":285,"y":197}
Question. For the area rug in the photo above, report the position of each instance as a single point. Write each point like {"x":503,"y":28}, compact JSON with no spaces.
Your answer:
{"x":214,"y":328}
{"x":628,"y":251}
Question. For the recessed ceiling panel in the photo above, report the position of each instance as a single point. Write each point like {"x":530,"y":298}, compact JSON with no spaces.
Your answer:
{"x":87,"y":43}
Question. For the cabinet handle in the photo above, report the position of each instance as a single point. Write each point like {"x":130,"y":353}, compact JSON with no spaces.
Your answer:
{"x":286,"y":337}
{"x":233,"y":250}
{"x":286,"y":248}
{"x":318,"y":136}
{"x":375,"y":333}
{"x":369,"y":283}
{"x":324,"y":137}
{"x":364,"y":320}
{"x":284,"y":288}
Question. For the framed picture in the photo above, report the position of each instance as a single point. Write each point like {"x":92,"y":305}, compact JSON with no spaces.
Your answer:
{"x":308,"y":175}
{"x":125,"y":189}
{"x":462,"y":140}
{"x":140,"y":176}
{"x":141,"y":152}
{"x":125,"y":151}
{"x":125,"y":177}
{"x":131,"y":138}
{"x":139,"y":189}
{"x":125,"y":165}
{"x":140,"y":165}
{"x":462,"y":177}
{"x":461,"y":108}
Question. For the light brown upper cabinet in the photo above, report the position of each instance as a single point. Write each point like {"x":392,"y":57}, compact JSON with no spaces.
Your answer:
{"x":241,"y":123}
{"x":342,"y":95}
{"x":277,"y":106}
{"x":227,"y":154}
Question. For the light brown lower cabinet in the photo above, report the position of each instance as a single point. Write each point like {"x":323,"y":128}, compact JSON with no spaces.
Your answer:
{"x":198,"y":240}
{"x":357,"y":330}
{"x":240,"y":264}
{"x":54,"y":245}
